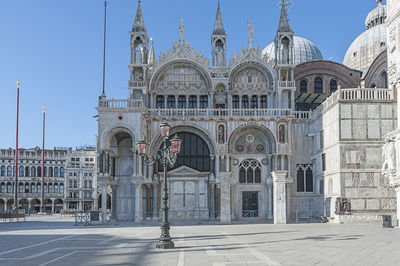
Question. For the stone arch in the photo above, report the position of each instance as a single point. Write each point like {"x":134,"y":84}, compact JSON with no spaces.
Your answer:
{"x":263,"y":130}
{"x":157,"y":139}
{"x":264,"y":69}
{"x":110,"y":132}
{"x":154,"y":80}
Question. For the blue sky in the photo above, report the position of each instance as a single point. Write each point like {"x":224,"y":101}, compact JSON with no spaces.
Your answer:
{"x":55,"y":48}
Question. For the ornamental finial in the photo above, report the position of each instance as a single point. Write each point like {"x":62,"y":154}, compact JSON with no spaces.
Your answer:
{"x":379,"y":2}
{"x":286,"y":4}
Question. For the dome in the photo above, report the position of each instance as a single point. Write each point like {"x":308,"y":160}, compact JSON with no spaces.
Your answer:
{"x":376,"y":16}
{"x":304,"y":51}
{"x":366,"y":47}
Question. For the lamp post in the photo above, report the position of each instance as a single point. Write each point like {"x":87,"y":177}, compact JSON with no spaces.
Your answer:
{"x":167,"y":156}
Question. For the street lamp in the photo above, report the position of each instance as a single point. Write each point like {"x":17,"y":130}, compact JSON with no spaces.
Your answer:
{"x":167,"y":156}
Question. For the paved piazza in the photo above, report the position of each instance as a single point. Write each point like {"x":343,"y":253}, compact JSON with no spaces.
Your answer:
{"x":58,"y":242}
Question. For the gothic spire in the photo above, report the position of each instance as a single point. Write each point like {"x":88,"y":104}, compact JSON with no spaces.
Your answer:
{"x":284,"y":21}
{"x":152,"y":56}
{"x":139,"y":22}
{"x":219,"y":25}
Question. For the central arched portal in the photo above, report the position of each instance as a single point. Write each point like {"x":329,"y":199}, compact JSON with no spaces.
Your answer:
{"x":188,"y":178}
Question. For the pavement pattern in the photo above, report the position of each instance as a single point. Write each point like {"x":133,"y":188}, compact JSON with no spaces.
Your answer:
{"x":56,"y":241}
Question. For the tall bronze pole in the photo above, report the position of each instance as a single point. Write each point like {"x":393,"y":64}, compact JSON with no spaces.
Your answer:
{"x":16,"y":155}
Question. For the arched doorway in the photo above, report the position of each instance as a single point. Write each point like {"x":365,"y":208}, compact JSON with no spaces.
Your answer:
{"x":10,"y":204}
{"x":252,"y":148}
{"x":24,"y":204}
{"x":35,"y":205}
{"x":108,"y":201}
{"x":2,"y":205}
{"x":48,"y":205}
{"x":58,"y":205}
{"x":188,"y":178}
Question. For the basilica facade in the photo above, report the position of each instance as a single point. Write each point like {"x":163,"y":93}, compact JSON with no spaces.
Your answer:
{"x":276,"y":134}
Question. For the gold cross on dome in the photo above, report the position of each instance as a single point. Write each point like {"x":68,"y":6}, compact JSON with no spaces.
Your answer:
{"x":287,"y":4}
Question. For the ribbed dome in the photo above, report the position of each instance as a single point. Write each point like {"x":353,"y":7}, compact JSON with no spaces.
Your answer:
{"x":304,"y":51}
{"x":369,"y":44}
{"x":376,"y":17}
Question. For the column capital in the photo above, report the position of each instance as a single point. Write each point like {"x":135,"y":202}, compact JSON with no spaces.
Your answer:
{"x":279,"y":176}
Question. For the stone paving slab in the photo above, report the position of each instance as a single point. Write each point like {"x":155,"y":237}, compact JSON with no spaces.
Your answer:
{"x":58,"y":242}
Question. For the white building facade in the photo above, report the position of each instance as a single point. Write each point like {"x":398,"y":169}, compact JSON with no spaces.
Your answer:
{"x":248,"y":151}
{"x":81,"y":180}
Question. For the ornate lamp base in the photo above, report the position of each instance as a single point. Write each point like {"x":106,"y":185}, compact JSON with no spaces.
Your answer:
{"x":165,"y":244}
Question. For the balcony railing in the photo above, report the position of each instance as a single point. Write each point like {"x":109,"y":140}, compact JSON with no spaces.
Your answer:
{"x":286,"y":84}
{"x":120,"y":104}
{"x":137,"y":83}
{"x":227,"y":113}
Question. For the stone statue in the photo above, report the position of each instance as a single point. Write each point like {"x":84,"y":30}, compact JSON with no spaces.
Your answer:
{"x":342,"y":206}
{"x":251,"y":34}
{"x":221,"y":134}
{"x":182,"y":32}
{"x":388,"y":154}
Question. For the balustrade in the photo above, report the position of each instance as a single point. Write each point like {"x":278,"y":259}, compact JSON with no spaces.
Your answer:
{"x":286,"y":84}
{"x":137,"y":83}
{"x":119,"y":104}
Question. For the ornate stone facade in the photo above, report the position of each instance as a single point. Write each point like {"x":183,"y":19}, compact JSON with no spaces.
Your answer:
{"x":248,"y":151}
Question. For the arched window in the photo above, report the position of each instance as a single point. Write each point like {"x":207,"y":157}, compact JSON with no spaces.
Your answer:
{"x":50,"y":171}
{"x":235,"y":102}
{"x":384,"y":80}
{"x":282,"y":134}
{"x":194,"y":153}
{"x":90,"y":184}
{"x":250,"y":172}
{"x":3,"y":171}
{"x":62,"y":188}
{"x":85,"y":184}
{"x":21,"y":187}
{"x":203,"y":101}
{"x":45,"y":171}
{"x":245,"y":101}
{"x":9,"y":171}
{"x":61,"y":171}
{"x":192,"y":102}
{"x":263,"y":101}
{"x":9,"y":188}
{"x":55,"y":188}
{"x":171,"y":102}
{"x":27,"y":188}
{"x":303,"y":86}
{"x":300,"y":180}
{"x":333,"y":85}
{"x":254,"y":102}
{"x":318,"y":85}
{"x":305,"y":179}
{"x":242,"y":175}
{"x":33,"y":188}
{"x":45,"y":188}
{"x":182,"y":101}
{"x":50,"y":188}
{"x":373,"y":86}
{"x":3,"y":188}
{"x":309,"y":180}
{"x":33,"y":171}
{"x":55,"y":171}
{"x":75,"y":184}
{"x":39,"y":171}
{"x":27,"y":171}
{"x":160,"y":104}
{"x":21,"y":171}
{"x":39,"y":187}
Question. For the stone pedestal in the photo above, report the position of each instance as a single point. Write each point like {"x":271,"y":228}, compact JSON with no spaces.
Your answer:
{"x":226,"y":216}
{"x":280,"y":204}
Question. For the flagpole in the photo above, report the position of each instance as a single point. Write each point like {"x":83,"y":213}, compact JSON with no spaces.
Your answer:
{"x":16,"y":155}
{"x":42,"y":201}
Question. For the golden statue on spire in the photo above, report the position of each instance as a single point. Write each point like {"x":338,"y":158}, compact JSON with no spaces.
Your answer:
{"x":287,"y":4}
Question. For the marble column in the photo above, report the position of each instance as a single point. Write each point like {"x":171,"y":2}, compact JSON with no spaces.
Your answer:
{"x":280,"y":204}
{"x":138,"y":203}
{"x":226,"y":198}
{"x":52,"y":206}
{"x":103,"y":203}
{"x":113,"y":202}
{"x":155,"y":208}
{"x":269,"y":185}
